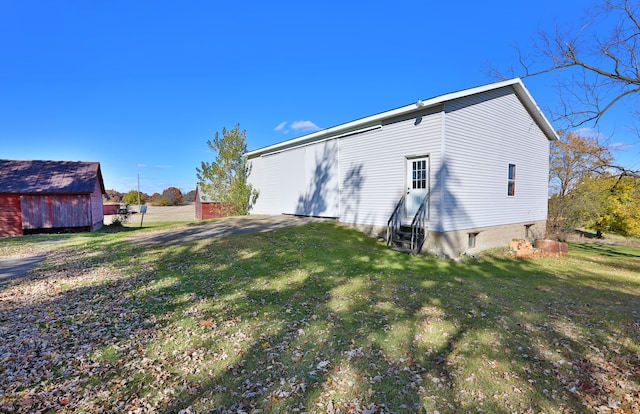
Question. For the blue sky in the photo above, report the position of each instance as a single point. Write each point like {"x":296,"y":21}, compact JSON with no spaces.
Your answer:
{"x":140,"y":86}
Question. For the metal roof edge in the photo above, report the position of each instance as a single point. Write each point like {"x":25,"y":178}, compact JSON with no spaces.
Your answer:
{"x":535,"y":110}
{"x":103,"y":190}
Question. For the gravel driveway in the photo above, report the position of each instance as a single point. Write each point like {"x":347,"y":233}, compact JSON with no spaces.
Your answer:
{"x":11,"y":268}
{"x":17,"y":267}
{"x":220,"y":228}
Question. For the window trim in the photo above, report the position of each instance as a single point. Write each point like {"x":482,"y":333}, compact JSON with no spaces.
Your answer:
{"x":472,"y":239}
{"x":511,"y":180}
{"x":409,"y":182}
{"x":528,"y":233}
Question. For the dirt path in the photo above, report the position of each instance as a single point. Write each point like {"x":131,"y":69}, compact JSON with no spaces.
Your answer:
{"x":15,"y":267}
{"x":220,"y":228}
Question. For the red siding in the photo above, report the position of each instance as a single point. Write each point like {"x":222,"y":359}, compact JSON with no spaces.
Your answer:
{"x":198,"y":209}
{"x":207,"y":210}
{"x":97,"y":214}
{"x":10,"y":216}
{"x":56,"y":211}
{"x":210,"y":209}
{"x":110,"y":208}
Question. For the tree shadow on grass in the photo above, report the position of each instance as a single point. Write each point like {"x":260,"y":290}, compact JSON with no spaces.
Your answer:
{"x":616,"y":258}
{"x":607,"y":250}
{"x":322,"y":318}
{"x":357,"y":317}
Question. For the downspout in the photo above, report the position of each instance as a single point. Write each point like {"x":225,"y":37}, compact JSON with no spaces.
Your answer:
{"x":338,"y":142}
{"x":441,"y":170}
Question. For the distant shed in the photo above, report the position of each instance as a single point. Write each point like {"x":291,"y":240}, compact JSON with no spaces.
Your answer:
{"x":207,"y":207}
{"x":48,"y":196}
{"x":110,"y":208}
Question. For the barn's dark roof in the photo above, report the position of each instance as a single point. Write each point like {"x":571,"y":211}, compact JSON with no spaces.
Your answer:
{"x":49,"y":177}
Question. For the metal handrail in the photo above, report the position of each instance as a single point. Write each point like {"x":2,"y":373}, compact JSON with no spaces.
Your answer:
{"x":418,"y":226}
{"x":394,"y":222}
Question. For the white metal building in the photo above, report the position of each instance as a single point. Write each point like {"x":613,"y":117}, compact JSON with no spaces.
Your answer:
{"x":478,"y":160}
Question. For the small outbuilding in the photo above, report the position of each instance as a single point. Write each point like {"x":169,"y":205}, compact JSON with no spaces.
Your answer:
{"x":207,"y":207}
{"x":50,"y":196}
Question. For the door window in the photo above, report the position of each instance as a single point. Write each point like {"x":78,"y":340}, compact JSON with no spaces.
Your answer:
{"x":419,"y":174}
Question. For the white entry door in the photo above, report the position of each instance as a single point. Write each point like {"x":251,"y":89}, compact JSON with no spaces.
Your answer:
{"x":417,"y":184}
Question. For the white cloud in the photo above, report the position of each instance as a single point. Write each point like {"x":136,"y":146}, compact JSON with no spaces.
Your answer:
{"x":587,"y":133}
{"x":153,"y":167}
{"x":611,"y":146}
{"x":619,"y":146}
{"x":304,"y":126}
{"x":296,"y":126}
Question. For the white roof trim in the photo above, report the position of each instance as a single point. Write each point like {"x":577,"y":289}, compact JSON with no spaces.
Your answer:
{"x":327,"y":138}
{"x":363,"y":123}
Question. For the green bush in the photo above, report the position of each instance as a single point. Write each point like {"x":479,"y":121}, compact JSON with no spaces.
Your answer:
{"x":119,"y":220}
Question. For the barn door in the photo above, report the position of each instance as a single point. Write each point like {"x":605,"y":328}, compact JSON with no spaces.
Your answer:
{"x":417,"y":184}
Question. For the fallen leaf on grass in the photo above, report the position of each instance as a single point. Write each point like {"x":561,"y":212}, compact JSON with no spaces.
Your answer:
{"x":207,"y":323}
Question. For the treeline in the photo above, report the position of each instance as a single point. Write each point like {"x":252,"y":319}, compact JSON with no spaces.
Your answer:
{"x":171,"y":196}
{"x":587,"y":192}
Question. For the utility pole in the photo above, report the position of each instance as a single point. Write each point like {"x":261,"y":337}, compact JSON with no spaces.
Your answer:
{"x":141,"y":210}
{"x":138,"y":193}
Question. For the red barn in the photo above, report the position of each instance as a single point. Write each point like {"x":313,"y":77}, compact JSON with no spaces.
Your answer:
{"x":207,"y":208}
{"x":50,"y":196}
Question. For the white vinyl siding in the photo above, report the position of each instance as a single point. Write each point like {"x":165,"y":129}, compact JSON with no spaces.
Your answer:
{"x":372,"y":166}
{"x":301,"y":181}
{"x":469,"y":141}
{"x":484,"y":134}
{"x":320,"y":195}
{"x":277,"y":177}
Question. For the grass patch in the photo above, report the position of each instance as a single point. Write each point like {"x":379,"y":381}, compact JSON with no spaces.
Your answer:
{"x":321,"y":318}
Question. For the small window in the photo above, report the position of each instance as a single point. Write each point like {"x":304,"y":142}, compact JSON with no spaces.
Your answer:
{"x":472,"y":240}
{"x":511,"y":183}
{"x":419,"y":174}
{"x":527,"y":231}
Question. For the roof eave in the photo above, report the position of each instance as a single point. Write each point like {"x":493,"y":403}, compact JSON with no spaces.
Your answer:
{"x":101,"y":180}
{"x":516,"y":83}
{"x":535,"y":111}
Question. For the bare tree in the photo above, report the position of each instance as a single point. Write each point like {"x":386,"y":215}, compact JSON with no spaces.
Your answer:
{"x":597,"y":65}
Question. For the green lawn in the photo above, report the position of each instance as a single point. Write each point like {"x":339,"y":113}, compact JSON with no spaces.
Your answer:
{"x":317,"y":318}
